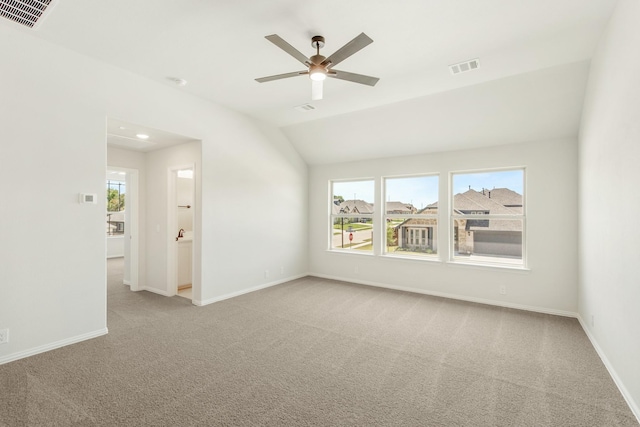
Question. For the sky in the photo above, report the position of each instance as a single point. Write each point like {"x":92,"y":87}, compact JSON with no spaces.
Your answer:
{"x":421,"y":191}
{"x":513,"y":180}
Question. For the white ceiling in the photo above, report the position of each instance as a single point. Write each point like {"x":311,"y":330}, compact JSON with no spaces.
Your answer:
{"x":125,"y":135}
{"x":218,"y":46}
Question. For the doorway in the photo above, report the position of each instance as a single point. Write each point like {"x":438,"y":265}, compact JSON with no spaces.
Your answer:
{"x":122,"y":223}
{"x":181,"y":210}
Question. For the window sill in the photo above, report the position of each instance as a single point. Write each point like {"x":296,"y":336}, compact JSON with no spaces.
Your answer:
{"x":491,"y":266}
{"x":418,"y":258}
{"x":349,"y":252}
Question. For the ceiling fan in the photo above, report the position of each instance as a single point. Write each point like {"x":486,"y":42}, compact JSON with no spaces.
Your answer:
{"x":320,"y":67}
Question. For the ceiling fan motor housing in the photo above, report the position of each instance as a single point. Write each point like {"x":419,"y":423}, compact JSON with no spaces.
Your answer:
{"x":317,"y":42}
{"x":317,"y":59}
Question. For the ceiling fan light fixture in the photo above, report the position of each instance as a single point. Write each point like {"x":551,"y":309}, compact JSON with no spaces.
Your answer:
{"x":317,"y":76}
{"x":317,"y":73}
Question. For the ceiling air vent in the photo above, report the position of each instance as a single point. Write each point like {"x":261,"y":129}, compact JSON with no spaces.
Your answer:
{"x":304,"y":107}
{"x":463,"y":67}
{"x":29,"y":13}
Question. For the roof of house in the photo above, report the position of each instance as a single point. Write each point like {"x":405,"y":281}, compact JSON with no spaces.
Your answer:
{"x":472,"y":200}
{"x":115,"y":216}
{"x":355,"y":207}
{"x":400,"y":208}
{"x":505,"y":197}
{"x":498,"y":201}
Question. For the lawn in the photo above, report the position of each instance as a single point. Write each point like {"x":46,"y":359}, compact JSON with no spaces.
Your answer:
{"x":355,"y":226}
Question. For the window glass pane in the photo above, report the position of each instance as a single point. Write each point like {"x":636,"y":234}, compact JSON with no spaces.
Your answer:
{"x":352,"y":233}
{"x":115,"y":195}
{"x":412,"y":236}
{"x":411,"y":195}
{"x":353,"y":197}
{"x":489,"y":193}
{"x":488,"y":240}
{"x":115,"y":207}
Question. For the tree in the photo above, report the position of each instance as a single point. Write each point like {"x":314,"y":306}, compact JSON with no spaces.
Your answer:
{"x":115,"y":200}
{"x":391,"y":238}
{"x":338,"y":199}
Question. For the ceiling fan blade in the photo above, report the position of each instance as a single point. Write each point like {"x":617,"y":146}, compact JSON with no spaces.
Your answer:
{"x":281,"y":76}
{"x":316,"y":90}
{"x":279,"y":41}
{"x":347,"y":50}
{"x":353,"y":77}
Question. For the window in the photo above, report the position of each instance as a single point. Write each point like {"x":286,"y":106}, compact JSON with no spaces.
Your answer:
{"x":115,"y":207}
{"x":488,"y":217}
{"x":411,"y":215}
{"x":352,"y":216}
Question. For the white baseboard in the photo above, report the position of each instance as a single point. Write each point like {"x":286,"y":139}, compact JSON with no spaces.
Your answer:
{"x":52,"y":346}
{"x":126,"y":282}
{"x":246,"y":291}
{"x":156,"y":291}
{"x":452,"y":296}
{"x":635,"y":408}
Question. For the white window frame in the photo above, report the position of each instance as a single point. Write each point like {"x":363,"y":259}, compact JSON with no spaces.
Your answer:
{"x":386,"y":218}
{"x":333,"y":216}
{"x":484,"y":216}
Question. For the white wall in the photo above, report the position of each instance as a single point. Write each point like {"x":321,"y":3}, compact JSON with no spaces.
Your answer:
{"x":184,"y":190}
{"x":551,"y":203}
{"x":158,"y":210}
{"x":609,"y":204}
{"x":257,"y":212}
{"x":52,"y":131}
{"x":115,"y":246}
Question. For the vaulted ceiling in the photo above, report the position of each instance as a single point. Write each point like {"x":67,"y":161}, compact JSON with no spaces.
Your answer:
{"x":530,"y":85}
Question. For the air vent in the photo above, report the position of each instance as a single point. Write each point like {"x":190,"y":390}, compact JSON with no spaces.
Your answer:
{"x":29,"y":13}
{"x":465,"y":66}
{"x":304,"y":107}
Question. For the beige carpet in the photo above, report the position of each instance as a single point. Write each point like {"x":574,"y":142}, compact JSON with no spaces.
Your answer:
{"x":316,"y":352}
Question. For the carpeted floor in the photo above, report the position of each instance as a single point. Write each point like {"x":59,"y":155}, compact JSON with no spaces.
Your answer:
{"x":315,"y":352}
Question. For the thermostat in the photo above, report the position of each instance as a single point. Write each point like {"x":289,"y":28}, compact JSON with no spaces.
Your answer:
{"x":88,"y":198}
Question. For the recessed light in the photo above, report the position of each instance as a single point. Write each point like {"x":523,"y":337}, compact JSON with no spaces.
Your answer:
{"x":122,"y":127}
{"x":142,"y":136}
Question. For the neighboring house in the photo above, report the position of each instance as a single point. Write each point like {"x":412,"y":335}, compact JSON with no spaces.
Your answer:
{"x":471,"y":236}
{"x":355,"y":207}
{"x":418,"y":234}
{"x":400,"y":208}
{"x":115,"y":223}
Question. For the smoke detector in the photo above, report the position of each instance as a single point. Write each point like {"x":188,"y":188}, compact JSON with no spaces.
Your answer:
{"x":29,"y":13}
{"x":463,"y":67}
{"x":178,"y":81}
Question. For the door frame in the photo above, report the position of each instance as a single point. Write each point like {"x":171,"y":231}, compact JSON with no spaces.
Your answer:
{"x":172,"y":226}
{"x":132,"y":226}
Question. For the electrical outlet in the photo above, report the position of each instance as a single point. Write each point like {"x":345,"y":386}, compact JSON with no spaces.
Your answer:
{"x":503,"y":290}
{"x":4,"y":336}
{"x":593,"y":321}
{"x":266,"y":274}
